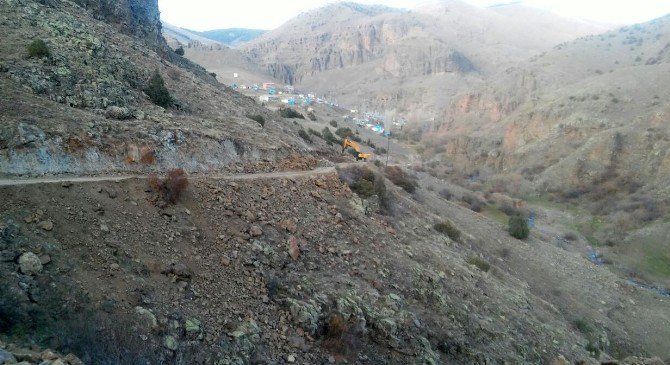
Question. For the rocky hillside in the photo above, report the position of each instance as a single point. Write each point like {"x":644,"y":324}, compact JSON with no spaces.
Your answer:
{"x":394,"y":58}
{"x":585,"y":123}
{"x":77,"y":102}
{"x":291,"y":269}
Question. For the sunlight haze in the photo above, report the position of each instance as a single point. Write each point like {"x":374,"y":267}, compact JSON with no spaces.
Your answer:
{"x":262,"y":14}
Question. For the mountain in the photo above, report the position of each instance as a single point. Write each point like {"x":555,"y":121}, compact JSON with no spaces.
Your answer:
{"x":391,"y":58}
{"x":233,"y":36}
{"x":584,"y":124}
{"x":185,"y":36}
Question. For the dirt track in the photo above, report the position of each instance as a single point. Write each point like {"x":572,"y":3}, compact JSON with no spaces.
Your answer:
{"x":116,"y":178}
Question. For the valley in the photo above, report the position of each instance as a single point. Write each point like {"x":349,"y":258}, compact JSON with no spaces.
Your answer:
{"x":180,"y":197}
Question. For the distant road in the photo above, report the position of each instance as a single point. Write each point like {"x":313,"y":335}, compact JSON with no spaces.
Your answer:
{"x":198,"y":176}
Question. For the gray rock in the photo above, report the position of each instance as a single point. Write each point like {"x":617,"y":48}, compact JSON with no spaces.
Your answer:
{"x":119,"y":113}
{"x":171,"y":343}
{"x":192,"y":325}
{"x":147,"y":316}
{"x":30,"y":264}
{"x":6,"y":358}
{"x":306,"y":315}
{"x":255,"y":231}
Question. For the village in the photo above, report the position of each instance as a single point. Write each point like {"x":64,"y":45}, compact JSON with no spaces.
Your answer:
{"x":275,"y":97}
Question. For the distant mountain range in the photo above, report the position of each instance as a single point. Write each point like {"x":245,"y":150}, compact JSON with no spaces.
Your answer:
{"x":231,"y":37}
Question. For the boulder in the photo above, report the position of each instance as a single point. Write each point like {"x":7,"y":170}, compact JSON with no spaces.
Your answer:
{"x":171,"y":343}
{"x":30,"y":264}
{"x":119,"y":113}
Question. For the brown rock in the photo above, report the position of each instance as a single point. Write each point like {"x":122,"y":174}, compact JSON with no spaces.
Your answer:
{"x":560,"y":360}
{"x":289,"y":225}
{"x":73,"y":360}
{"x":293,"y":248}
{"x":48,"y":355}
{"x":255,"y":231}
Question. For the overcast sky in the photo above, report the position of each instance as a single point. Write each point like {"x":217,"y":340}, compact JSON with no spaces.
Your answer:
{"x":269,"y":14}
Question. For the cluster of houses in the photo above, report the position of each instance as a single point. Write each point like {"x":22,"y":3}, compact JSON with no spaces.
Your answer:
{"x":286,"y":94}
{"x":271,"y":92}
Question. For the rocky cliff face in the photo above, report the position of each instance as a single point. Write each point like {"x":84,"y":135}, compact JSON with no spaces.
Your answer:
{"x":138,"y":17}
{"x":83,"y":108}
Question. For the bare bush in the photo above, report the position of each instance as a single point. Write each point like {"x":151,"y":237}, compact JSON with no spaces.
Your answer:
{"x":402,"y":179}
{"x":172,"y":187}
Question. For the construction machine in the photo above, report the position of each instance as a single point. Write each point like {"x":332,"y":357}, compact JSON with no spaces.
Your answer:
{"x":361,"y":156}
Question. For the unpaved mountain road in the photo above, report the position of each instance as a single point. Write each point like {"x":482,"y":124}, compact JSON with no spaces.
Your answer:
{"x":197,"y":176}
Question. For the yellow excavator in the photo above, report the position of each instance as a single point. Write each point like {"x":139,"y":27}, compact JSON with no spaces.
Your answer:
{"x":361,"y":156}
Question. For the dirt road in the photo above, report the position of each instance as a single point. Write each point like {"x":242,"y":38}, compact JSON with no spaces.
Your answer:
{"x":117,"y":178}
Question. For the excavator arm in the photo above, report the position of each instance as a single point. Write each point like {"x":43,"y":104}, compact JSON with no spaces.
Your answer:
{"x":349,"y":143}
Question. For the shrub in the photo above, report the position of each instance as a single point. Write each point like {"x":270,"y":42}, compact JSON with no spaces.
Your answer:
{"x":480,"y":263}
{"x":304,"y":135}
{"x":570,"y":236}
{"x":400,"y":178}
{"x":329,"y":137}
{"x":311,"y":116}
{"x":342,"y":338}
{"x":509,"y":209}
{"x":38,"y":49}
{"x":380,"y":150}
{"x":179,"y":51}
{"x":364,"y":188}
{"x":258,"y":118}
{"x":157,"y":92}
{"x":448,"y":229}
{"x":385,"y":198}
{"x":518,"y":227}
{"x":333,"y":123}
{"x":345,"y":132}
{"x":172,"y":187}
{"x":290,"y":113}
{"x":446,"y":194}
{"x":213,"y":74}
{"x":316,"y":133}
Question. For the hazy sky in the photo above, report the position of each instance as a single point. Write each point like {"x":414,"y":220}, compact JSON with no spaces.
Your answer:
{"x":269,"y":14}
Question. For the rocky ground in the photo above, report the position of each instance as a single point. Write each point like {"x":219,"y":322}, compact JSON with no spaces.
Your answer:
{"x":281,"y":270}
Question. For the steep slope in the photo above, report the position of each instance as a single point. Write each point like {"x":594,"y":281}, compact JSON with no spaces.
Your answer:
{"x":292,"y":268}
{"x":395,"y":58}
{"x":83,"y":108}
{"x":585,"y":123}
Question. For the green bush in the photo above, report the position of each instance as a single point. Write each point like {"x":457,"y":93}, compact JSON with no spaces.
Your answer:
{"x":333,"y":123}
{"x":290,"y":113}
{"x":364,"y":188}
{"x":518,"y":227}
{"x":258,"y":118}
{"x":448,"y":229}
{"x":38,"y":49}
{"x":480,"y":263}
{"x":345,"y":132}
{"x":385,"y":198}
{"x":316,"y":133}
{"x":329,"y":137}
{"x":179,"y":51}
{"x":157,"y":92}
{"x":304,"y":135}
{"x":311,"y":116}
